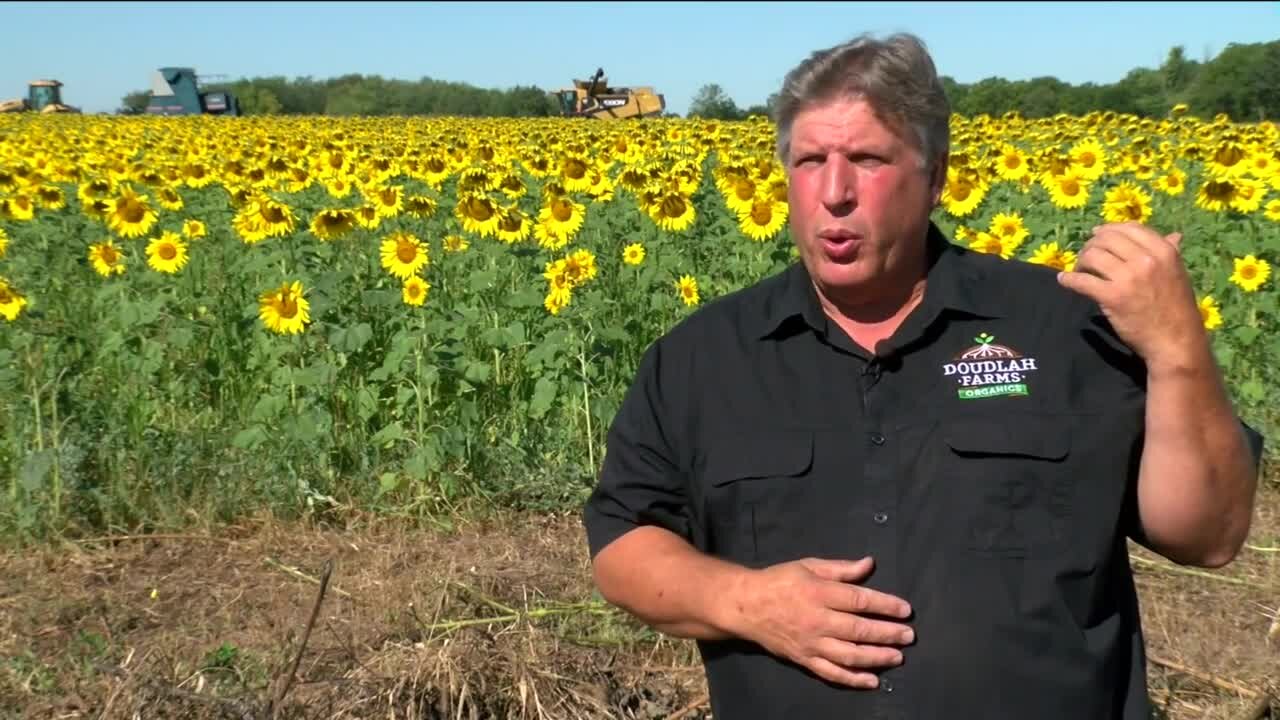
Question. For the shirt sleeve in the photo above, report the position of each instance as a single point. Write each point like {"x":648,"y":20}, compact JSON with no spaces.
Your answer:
{"x":642,"y":480}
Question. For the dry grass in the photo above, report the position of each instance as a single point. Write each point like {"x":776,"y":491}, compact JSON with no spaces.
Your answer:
{"x":494,"y":619}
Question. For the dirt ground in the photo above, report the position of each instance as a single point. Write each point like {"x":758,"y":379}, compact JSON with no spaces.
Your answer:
{"x":493,"y":619}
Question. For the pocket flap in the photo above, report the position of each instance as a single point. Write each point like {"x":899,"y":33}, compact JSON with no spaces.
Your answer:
{"x":1015,"y":435}
{"x":774,"y":454}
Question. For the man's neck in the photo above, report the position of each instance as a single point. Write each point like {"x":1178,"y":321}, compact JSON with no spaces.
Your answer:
{"x":876,"y":318}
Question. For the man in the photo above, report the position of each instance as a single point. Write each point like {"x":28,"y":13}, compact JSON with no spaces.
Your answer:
{"x":896,"y":480}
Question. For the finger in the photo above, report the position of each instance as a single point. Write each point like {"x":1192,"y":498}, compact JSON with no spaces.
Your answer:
{"x":833,"y":673}
{"x":1086,"y":284}
{"x":1175,"y":239}
{"x":862,"y":600}
{"x":854,"y":628}
{"x":855,"y":656}
{"x":1100,"y":261}
{"x":840,"y":570}
{"x":1133,"y":235}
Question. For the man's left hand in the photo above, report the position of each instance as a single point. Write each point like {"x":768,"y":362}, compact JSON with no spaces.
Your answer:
{"x":1138,"y":279}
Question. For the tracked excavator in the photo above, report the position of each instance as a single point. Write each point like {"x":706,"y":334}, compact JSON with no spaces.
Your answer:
{"x":595,"y":99}
{"x":43,"y":96}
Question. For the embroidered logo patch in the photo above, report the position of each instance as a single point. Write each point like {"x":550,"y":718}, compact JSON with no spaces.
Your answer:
{"x":990,"y":370}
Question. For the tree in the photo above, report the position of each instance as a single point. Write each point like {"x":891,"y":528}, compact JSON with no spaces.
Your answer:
{"x":713,"y":103}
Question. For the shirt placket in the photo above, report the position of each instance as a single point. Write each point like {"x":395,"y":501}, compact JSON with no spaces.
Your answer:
{"x":882,"y":544}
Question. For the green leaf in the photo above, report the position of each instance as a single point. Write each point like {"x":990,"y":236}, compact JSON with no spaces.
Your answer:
{"x":544,"y":394}
{"x":35,"y":468}
{"x":249,"y":438}
{"x":387,"y":436}
{"x":478,"y":372}
{"x":366,"y":404}
{"x":268,"y":407}
{"x":388,"y":482}
{"x":527,"y":298}
{"x":351,"y":339}
{"x":1246,"y":334}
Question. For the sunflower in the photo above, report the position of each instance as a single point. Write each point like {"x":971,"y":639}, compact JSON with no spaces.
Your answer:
{"x":763,"y":219}
{"x":1051,"y":255}
{"x":633,"y":254}
{"x":477,"y":213}
{"x":963,"y":192}
{"x":168,"y":198}
{"x":563,"y":215}
{"x":573,"y":173}
{"x":1248,"y":195}
{"x":51,"y":197}
{"x":673,"y":212}
{"x":284,"y":310}
{"x":167,"y":253}
{"x":1210,"y":312}
{"x":4,"y":242}
{"x":18,"y":207}
{"x":389,"y":200}
{"x":559,"y":295}
{"x":513,"y":225}
{"x":455,"y":243}
{"x":403,"y":255}
{"x":1250,"y":273}
{"x":1126,"y":202}
{"x":332,"y":224}
{"x":548,"y":235}
{"x":741,"y":194}
{"x":106,"y":258}
{"x":193,"y":229}
{"x":1011,"y":164}
{"x":687,"y":288}
{"x":1068,"y":191}
{"x":1088,"y":159}
{"x":367,"y":217}
{"x":989,"y":243}
{"x":1009,"y":227}
{"x":1173,"y":182}
{"x":11,"y":301}
{"x":1273,"y":210}
{"x":1215,"y":195}
{"x":131,"y":214}
{"x":423,"y":206}
{"x":414,"y":291}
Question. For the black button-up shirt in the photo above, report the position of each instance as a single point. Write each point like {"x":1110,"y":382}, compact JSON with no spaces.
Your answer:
{"x":986,"y":456}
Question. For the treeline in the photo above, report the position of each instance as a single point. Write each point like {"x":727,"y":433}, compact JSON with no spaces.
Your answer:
{"x":356,"y":94}
{"x":1240,"y":81}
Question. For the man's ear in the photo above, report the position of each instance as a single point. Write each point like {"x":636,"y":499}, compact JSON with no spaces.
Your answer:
{"x":938,"y":178}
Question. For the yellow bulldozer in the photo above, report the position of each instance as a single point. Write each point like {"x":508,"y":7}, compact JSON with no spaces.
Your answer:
{"x":43,"y":96}
{"x":595,"y":99}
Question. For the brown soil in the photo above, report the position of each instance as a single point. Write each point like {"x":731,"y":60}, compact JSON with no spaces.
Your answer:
{"x":396,"y":636}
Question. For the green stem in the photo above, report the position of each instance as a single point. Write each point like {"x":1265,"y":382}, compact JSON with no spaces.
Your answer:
{"x":586,"y":408}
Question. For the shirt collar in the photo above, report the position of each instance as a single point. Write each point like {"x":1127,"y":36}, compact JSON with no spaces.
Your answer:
{"x":954,"y":282}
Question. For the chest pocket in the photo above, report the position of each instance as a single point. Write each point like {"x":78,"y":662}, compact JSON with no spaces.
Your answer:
{"x":777,"y":495}
{"x":1010,"y":483}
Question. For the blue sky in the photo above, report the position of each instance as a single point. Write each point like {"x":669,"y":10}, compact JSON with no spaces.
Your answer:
{"x":103,"y":50}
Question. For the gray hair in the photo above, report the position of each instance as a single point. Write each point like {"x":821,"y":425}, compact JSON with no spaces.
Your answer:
{"x":895,"y":75}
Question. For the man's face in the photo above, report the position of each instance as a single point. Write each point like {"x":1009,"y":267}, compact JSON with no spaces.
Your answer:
{"x":859,"y":201}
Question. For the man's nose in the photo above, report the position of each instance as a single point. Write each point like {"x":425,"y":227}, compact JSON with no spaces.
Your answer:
{"x":839,"y":185}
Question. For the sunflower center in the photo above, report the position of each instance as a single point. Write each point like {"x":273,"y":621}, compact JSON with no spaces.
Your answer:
{"x":1133,"y":210}
{"x":6,"y":297}
{"x":510,"y":222}
{"x":574,"y":168}
{"x":273,"y":214}
{"x":167,"y":251}
{"x":960,"y":190}
{"x":1008,"y":229}
{"x":478,"y":209}
{"x":288,"y":306}
{"x":132,"y":211}
{"x":406,"y":251}
{"x":414,"y":291}
{"x":1172,"y":181}
{"x":388,"y":197}
{"x":1228,"y":156}
{"x":744,"y":189}
{"x":1218,"y":190}
{"x":1069,"y":186}
{"x":673,"y":206}
{"x":108,"y":255}
{"x":1012,"y":162}
{"x":761,"y":213}
{"x":1087,"y":159}
{"x":561,"y":210}
{"x":992,"y":245}
{"x":1248,"y":272}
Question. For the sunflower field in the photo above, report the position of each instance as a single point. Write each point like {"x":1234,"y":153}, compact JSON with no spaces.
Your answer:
{"x":204,"y":317}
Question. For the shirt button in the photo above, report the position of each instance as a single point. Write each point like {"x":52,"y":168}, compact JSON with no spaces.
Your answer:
{"x":886,"y":684}
{"x":881,"y":518}
{"x":877,"y":438}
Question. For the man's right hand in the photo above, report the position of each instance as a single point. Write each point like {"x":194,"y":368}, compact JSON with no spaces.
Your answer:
{"x":812,"y":613}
